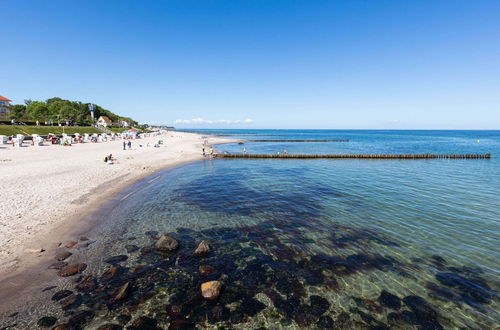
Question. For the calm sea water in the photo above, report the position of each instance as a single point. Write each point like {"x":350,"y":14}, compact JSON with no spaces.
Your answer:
{"x":304,"y":243}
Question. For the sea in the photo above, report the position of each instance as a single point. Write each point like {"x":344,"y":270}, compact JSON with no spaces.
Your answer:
{"x":298,"y":243}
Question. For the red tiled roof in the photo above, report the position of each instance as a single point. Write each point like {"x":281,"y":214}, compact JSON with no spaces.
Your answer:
{"x":106,"y":119}
{"x":4,"y":99}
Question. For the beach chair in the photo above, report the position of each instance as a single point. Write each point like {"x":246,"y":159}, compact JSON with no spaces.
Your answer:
{"x":18,"y":141}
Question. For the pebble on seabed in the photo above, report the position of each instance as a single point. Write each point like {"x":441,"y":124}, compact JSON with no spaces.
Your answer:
{"x":211,"y":290}
{"x":166,"y":244}
{"x":202,"y":249}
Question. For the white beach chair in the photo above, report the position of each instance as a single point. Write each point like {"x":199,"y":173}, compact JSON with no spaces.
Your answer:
{"x":19,"y":140}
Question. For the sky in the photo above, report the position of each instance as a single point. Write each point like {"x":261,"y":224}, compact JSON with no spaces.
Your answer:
{"x":261,"y":63}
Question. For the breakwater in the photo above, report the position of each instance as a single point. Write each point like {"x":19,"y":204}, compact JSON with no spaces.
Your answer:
{"x":358,"y":156}
{"x":309,"y":140}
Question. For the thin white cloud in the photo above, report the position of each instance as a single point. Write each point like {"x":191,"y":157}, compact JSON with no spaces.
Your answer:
{"x":210,"y":121}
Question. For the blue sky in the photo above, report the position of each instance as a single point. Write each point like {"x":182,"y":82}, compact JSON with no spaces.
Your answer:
{"x":261,"y":63}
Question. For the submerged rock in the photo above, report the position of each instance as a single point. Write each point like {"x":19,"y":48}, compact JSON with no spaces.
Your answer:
{"x":61,"y":294}
{"x":420,"y":306}
{"x":143,"y":323}
{"x":325,"y":322}
{"x":81,"y":317}
{"x":72,"y":270}
{"x":174,"y":311}
{"x":472,"y":291}
{"x":71,"y":302}
{"x":69,"y":245}
{"x":46,"y":321}
{"x":206,"y":270}
{"x":131,"y":248}
{"x":110,"y":326}
{"x":319,"y":305}
{"x":110,"y":273}
{"x":116,"y":259}
{"x":122,"y":292}
{"x":166,"y":244}
{"x":63,"y":256}
{"x":203,"y":249}
{"x":181,"y":324}
{"x":389,"y":300}
{"x":423,"y":313}
{"x":211,"y":290}
{"x":58,"y":265}
{"x":89,"y":283}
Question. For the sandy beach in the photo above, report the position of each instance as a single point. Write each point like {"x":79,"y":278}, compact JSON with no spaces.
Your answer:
{"x":46,"y":189}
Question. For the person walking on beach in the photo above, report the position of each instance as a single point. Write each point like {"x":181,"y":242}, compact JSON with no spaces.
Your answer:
{"x":130,"y":144}
{"x":203,"y":150}
{"x":124,"y":145}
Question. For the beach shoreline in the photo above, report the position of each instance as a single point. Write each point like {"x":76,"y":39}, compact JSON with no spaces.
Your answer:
{"x":36,"y":239}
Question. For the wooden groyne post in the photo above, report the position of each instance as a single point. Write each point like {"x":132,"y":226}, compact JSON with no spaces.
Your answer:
{"x":356,"y":156}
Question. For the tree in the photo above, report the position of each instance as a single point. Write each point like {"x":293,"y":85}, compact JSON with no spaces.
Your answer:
{"x":38,"y":110}
{"x":18,"y":111}
{"x":53,"y":99}
{"x":69,"y":113}
{"x":56,"y":109}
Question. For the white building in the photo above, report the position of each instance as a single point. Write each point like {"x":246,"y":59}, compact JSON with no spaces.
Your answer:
{"x":104,"y":121}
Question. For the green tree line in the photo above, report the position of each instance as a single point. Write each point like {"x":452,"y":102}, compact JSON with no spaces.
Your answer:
{"x":58,"y":110}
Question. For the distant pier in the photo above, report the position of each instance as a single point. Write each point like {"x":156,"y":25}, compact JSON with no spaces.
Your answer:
{"x":356,"y":156}
{"x":321,"y":140}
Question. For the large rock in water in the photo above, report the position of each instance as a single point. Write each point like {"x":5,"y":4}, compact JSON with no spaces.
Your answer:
{"x":203,"y":249}
{"x":63,"y":256}
{"x":72,"y":270}
{"x":211,"y":290}
{"x":166,"y":244}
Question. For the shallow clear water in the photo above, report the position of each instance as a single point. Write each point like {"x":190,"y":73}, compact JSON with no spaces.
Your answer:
{"x":307,"y":243}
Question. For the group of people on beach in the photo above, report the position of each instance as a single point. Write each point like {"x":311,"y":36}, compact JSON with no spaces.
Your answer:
{"x":109,"y":159}
{"x":127,"y":144}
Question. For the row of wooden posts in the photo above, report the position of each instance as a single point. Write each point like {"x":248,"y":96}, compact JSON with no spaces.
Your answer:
{"x":359,"y":156}
{"x":323,"y":140}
